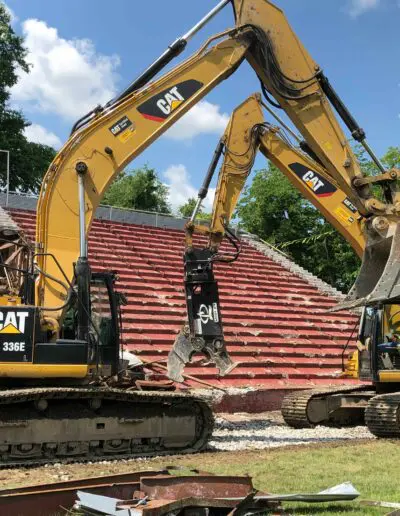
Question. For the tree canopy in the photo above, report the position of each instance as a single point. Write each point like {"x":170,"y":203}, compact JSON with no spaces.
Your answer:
{"x":274,"y":210}
{"x":28,"y":161}
{"x":139,"y":189}
{"x":186,"y":210}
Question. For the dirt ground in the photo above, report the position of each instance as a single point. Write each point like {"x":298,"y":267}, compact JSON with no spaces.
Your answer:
{"x":18,"y":477}
{"x":237,"y":438}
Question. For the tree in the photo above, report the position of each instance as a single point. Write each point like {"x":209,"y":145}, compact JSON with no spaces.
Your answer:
{"x":392,"y":158}
{"x":139,"y":189}
{"x":28,"y":161}
{"x":186,"y":210}
{"x":275,"y":211}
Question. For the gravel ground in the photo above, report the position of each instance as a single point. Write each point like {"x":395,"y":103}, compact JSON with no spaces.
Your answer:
{"x":239,"y":433}
{"x":256,"y":432}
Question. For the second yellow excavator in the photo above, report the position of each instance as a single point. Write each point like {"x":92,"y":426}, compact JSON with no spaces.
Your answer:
{"x":247,"y":133}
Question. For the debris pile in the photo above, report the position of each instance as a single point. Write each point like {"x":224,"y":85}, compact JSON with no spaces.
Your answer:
{"x":203,"y":495}
{"x":189,"y":495}
{"x":238,"y":432}
{"x":170,"y":492}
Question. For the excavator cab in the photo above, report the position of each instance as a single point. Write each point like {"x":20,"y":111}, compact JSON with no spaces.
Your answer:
{"x":31,"y":345}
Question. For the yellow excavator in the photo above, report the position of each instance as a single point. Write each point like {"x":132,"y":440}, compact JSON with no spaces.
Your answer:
{"x":246,"y":134}
{"x":63,"y":395}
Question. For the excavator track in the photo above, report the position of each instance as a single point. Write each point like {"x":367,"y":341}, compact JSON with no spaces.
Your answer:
{"x":382,"y":415}
{"x":48,"y":425}
{"x":296,"y":404}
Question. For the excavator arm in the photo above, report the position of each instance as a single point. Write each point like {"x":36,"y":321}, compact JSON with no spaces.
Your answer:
{"x":108,"y":138}
{"x":82,"y":170}
{"x":246,"y":134}
{"x":292,"y":81}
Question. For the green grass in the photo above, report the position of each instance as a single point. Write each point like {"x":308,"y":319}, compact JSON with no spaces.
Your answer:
{"x":373,"y":468}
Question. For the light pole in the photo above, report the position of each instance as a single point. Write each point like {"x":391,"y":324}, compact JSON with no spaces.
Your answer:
{"x":8,"y":174}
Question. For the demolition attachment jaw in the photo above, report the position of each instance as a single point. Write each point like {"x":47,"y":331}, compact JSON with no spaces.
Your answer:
{"x":185,"y":346}
{"x":203,"y":333}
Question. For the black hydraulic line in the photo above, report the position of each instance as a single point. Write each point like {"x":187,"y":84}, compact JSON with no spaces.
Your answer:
{"x":211,"y":169}
{"x":356,"y":131}
{"x":85,"y":118}
{"x":173,"y":50}
{"x":267,"y":97}
{"x":235,"y":242}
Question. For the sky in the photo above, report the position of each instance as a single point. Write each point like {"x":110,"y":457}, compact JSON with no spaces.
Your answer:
{"x":83,"y":52}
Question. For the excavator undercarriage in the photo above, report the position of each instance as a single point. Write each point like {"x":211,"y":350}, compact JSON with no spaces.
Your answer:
{"x":54,"y":424}
{"x":344,"y":407}
{"x":103,"y":415}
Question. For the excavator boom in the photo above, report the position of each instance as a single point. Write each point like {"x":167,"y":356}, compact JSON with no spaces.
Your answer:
{"x":246,"y":134}
{"x":299,"y":86}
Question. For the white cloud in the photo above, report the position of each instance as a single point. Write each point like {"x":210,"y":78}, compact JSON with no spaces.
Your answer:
{"x":38,"y":134}
{"x":180,"y":188}
{"x":203,"y":118}
{"x":357,"y":7}
{"x":67,"y":77}
{"x":11,"y":13}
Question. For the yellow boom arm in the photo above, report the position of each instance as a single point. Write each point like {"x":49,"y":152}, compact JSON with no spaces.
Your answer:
{"x":247,"y":133}
{"x":107,"y":145}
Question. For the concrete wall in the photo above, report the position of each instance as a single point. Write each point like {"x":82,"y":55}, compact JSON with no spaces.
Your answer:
{"x":145,"y":218}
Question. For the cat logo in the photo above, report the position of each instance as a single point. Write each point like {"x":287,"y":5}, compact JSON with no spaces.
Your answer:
{"x":159,"y":107}
{"x":318,"y":184}
{"x":312,"y":181}
{"x":171,"y":101}
{"x":123,"y":129}
{"x":13,"y":323}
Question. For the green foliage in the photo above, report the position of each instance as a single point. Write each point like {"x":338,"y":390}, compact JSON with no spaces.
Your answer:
{"x":28,"y":161}
{"x":275,"y":211}
{"x":392,"y":158}
{"x":367,"y":166}
{"x":186,"y":210}
{"x":139,"y":189}
{"x":12,"y":55}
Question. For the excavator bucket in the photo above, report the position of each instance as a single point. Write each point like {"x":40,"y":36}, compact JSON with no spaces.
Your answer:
{"x":378,"y":281}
